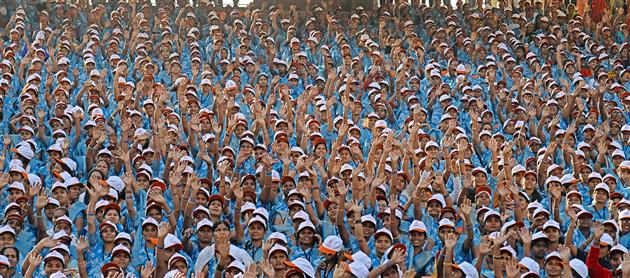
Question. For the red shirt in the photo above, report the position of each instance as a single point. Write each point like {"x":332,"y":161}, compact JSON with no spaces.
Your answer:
{"x":594,"y":268}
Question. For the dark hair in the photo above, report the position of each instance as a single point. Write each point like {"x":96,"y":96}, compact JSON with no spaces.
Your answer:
{"x":17,"y":251}
{"x":216,"y":225}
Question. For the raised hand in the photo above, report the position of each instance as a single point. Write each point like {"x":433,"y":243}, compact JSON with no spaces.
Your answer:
{"x":598,"y":230}
{"x":625,"y":265}
{"x":250,"y":272}
{"x":340,"y":270}
{"x":174,"y":178}
{"x":158,"y":198}
{"x":305,"y":191}
{"x":342,"y":188}
{"x":484,"y":245}
{"x":356,"y":207}
{"x":511,"y":268}
{"x":82,"y":244}
{"x":565,"y":252}
{"x":526,"y":236}
{"x":267,"y":269}
{"x":399,"y":256}
{"x":237,"y":190}
{"x":163,"y":229}
{"x":393,"y":203}
{"x":466,"y":207}
{"x":450,"y":241}
{"x":42,"y":200}
{"x":34,"y":259}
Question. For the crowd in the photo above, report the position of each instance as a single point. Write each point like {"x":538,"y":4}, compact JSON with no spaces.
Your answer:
{"x":404,"y":140}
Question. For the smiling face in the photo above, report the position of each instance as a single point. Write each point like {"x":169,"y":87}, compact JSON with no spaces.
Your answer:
{"x":121,"y":259}
{"x":417,"y":238}
{"x":53,"y":265}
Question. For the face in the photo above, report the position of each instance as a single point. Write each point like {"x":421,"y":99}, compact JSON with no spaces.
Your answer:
{"x":390,"y":273}
{"x":215,"y":207}
{"x":63,"y":226}
{"x":204,"y":234}
{"x":381,"y":244}
{"x":368,"y":228}
{"x":256,"y":231}
{"x":434,"y":208}
{"x":492,"y":224}
{"x":121,"y":259}
{"x":601,"y":196}
{"x":74,"y":192}
{"x":112,"y":215}
{"x":52,"y":266}
{"x":483,"y":200}
{"x":553,"y":234}
{"x":108,"y":234}
{"x":417,"y":238}
{"x":15,"y":193}
{"x":277,"y":258}
{"x":307,"y":236}
{"x":12,"y":255}
{"x":616,"y":259}
{"x":181,"y":266}
{"x":222,"y":230}
{"x":539,"y":249}
{"x":553,"y":267}
{"x":61,"y":194}
{"x":149,"y":231}
{"x":320,"y":150}
{"x":6,"y":239}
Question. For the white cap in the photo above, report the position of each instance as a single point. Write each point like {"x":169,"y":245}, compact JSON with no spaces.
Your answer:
{"x":510,"y":250}
{"x":371,"y":219}
{"x":7,"y":229}
{"x":278,"y":236}
{"x":445,"y":222}
{"x":237,"y":264}
{"x":203,"y":223}
{"x":54,"y":255}
{"x":5,"y":261}
{"x":578,"y":266}
{"x":358,"y":269}
{"x":278,"y":247}
{"x":306,"y":224}
{"x":470,"y":271}
{"x":332,"y":244}
{"x":171,"y":240}
{"x":304,"y":266}
{"x":602,"y":186}
{"x":258,"y":219}
{"x":607,"y":240}
{"x":438,"y":197}
{"x":417,"y":226}
{"x":551,"y":224}
{"x":17,"y":185}
{"x":530,"y":264}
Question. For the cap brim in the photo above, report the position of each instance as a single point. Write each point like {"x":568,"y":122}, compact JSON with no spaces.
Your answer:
{"x":325,"y":250}
{"x":290,"y":264}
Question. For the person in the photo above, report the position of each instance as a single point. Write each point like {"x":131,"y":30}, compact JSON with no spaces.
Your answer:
{"x":394,"y":139}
